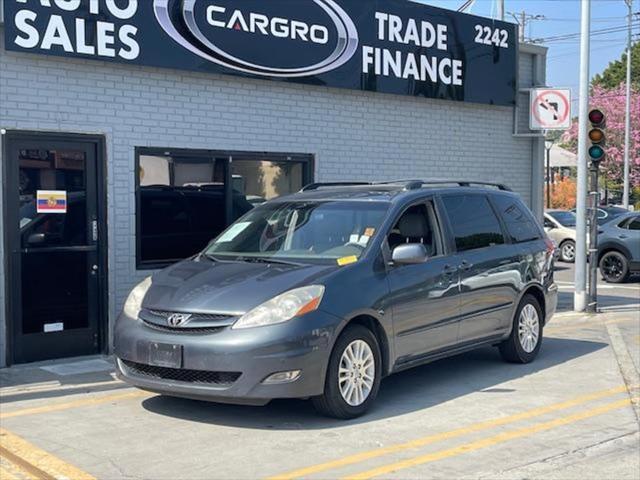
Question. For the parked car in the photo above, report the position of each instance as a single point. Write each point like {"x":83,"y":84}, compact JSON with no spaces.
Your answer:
{"x":323,"y":293}
{"x":560,"y":225}
{"x":607,"y":214}
{"x":619,"y":248}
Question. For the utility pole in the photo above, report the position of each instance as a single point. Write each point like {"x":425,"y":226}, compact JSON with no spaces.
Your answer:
{"x":521,"y":19}
{"x":501,"y":10}
{"x":580,"y":294}
{"x":627,"y":121}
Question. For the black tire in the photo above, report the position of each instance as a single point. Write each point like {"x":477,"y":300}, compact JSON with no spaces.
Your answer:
{"x":566,"y":247}
{"x":512,"y":349}
{"x":614,"y":267}
{"x":331,"y":403}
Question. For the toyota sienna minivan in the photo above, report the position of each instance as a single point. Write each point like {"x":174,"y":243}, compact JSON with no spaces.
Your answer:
{"x":323,"y":293}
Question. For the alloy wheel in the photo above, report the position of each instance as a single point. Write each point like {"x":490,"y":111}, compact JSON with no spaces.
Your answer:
{"x":528,"y":328}
{"x":612,"y":267}
{"x":569,"y":251}
{"x":357,"y":371}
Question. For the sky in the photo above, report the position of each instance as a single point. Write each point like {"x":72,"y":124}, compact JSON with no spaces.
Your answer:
{"x":563,"y":17}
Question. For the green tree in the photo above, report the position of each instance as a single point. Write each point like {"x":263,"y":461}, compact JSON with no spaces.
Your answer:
{"x":616,"y":72}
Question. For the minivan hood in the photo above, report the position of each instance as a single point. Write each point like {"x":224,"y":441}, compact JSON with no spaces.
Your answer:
{"x":226,"y":287}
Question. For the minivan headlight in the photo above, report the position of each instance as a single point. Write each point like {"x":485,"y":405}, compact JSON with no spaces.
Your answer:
{"x":283,"y":308}
{"x":134,"y":301}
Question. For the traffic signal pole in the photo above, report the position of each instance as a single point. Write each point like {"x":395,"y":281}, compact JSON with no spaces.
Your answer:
{"x":580,"y":294}
{"x":592,"y":306}
{"x":597,"y":154}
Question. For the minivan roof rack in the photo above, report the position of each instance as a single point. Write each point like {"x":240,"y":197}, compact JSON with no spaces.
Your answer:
{"x":318,"y":185}
{"x":407,"y":185}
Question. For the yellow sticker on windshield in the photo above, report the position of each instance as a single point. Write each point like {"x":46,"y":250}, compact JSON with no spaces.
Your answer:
{"x":369,"y":232}
{"x":347,"y":260}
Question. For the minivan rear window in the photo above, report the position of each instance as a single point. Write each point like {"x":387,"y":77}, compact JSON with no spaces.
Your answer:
{"x":519,"y":221}
{"x":473,"y":221}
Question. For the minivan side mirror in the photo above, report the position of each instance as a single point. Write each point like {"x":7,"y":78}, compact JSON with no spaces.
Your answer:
{"x":37,"y":239}
{"x":409,"y":254}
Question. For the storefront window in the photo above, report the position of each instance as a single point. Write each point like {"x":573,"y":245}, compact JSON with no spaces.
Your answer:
{"x":186,"y":198}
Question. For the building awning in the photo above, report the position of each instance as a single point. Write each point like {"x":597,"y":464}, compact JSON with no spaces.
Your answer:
{"x":559,"y":157}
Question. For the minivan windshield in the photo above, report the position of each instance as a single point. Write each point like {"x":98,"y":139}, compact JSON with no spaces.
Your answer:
{"x":566,"y":219}
{"x":315,"y":231}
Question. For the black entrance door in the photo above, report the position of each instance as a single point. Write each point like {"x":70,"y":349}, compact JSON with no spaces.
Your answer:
{"x":53,"y":232}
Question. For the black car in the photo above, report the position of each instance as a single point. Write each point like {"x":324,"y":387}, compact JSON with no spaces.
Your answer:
{"x":323,"y":293}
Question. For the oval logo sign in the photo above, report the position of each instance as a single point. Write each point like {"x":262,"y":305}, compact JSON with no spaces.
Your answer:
{"x":276,"y":39}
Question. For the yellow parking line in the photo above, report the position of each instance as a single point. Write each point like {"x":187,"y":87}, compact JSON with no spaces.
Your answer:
{"x":74,"y":404}
{"x":420,"y":442}
{"x":489,"y":441}
{"x":37,"y":462}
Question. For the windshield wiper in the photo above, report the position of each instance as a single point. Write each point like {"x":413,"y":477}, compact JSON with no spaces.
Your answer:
{"x":266,"y":260}
{"x":209,"y":256}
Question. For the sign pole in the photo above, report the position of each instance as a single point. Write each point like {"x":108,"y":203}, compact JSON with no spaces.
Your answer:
{"x":580,"y":295}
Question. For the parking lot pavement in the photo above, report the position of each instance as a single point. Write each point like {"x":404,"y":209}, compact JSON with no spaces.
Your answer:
{"x":570,"y":414}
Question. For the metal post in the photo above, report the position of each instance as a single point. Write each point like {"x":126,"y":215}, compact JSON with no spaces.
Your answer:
{"x":523,"y":24}
{"x":580,"y":294}
{"x":592,"y":306}
{"x":548,"y":178}
{"x":627,"y":122}
{"x":501,"y":10}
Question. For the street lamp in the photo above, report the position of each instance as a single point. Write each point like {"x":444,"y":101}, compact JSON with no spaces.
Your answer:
{"x":548,"y":144}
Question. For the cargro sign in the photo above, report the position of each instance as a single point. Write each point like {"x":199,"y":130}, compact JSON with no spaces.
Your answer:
{"x":391,"y":46}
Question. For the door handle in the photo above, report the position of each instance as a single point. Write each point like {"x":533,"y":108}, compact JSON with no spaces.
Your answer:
{"x":94,"y":269}
{"x":466,"y":266}
{"x":449,"y":270}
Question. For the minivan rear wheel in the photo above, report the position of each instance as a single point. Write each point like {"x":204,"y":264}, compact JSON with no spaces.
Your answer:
{"x":353,"y":376}
{"x":525,"y":340}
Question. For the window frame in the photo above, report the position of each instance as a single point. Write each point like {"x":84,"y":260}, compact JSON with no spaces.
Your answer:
{"x":440,"y":237}
{"x":450,"y":230}
{"x":307,"y":160}
{"x":493,"y":200}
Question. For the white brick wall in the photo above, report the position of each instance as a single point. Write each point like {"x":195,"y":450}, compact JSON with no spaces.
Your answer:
{"x":353,"y":135}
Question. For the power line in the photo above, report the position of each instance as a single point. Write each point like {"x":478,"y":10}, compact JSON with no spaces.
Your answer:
{"x":571,"y":36}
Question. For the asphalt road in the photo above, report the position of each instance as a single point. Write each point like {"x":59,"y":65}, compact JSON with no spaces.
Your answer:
{"x":569,"y":415}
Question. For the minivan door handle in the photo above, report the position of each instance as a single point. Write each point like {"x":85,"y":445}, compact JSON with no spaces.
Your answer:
{"x":466,"y":266}
{"x":449,"y":270}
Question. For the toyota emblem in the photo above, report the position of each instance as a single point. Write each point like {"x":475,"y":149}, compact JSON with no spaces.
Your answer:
{"x":177,"y":319}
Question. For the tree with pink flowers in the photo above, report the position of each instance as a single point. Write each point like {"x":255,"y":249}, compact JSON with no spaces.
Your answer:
{"x":612,"y":103}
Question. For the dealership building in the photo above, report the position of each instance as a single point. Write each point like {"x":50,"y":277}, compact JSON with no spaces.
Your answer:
{"x":135,"y":131}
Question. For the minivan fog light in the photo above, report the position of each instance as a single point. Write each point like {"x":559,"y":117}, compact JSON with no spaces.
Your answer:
{"x":282,"y":377}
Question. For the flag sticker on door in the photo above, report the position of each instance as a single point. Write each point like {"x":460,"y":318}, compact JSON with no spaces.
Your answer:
{"x":51,"y":201}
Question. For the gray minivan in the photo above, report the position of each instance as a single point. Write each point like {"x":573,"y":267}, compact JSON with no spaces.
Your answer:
{"x":323,"y":293}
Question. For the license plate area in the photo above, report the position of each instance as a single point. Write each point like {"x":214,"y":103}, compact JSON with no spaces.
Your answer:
{"x":165,"y":355}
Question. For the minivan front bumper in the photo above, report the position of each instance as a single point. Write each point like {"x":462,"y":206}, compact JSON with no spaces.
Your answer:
{"x":230,"y":366}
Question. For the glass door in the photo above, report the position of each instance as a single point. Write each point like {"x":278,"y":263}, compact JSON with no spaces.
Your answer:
{"x":54,"y":246}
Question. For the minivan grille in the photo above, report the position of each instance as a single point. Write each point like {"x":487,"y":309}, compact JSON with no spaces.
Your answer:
{"x":197,"y":330}
{"x":196,"y":316}
{"x":221,"y":379}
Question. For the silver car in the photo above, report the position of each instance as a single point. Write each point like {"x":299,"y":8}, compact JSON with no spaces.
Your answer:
{"x":560,"y":226}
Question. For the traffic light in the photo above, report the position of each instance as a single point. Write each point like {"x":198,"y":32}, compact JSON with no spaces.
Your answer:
{"x":596,"y":135}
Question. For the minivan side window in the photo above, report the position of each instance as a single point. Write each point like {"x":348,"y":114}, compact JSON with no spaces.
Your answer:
{"x":473,"y":221}
{"x":520,"y":224}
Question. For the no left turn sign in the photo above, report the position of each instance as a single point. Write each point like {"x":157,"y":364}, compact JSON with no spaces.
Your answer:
{"x":550,"y":109}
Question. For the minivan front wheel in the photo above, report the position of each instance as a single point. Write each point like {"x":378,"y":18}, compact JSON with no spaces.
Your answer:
{"x":525,"y":340}
{"x":353,"y":377}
